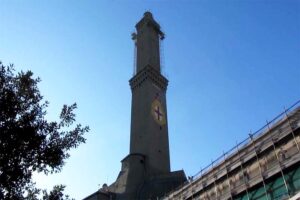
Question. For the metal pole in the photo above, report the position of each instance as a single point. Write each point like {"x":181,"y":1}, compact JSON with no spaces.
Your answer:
{"x":259,"y":166}
{"x":242,"y":168}
{"x":192,"y":188}
{"x":181,"y":191}
{"x":281,"y":171}
{"x":288,"y":119}
{"x":205,"y":192}
{"x":227,"y":176}
{"x":191,"y":179}
{"x":214,"y":176}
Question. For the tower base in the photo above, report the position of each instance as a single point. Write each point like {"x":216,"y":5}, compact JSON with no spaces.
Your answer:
{"x":134,"y":183}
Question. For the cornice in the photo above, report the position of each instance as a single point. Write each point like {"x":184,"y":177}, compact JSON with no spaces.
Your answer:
{"x":150,"y":73}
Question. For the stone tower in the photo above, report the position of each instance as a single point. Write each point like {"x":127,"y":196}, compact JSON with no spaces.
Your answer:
{"x":145,"y":172}
{"x":149,"y":127}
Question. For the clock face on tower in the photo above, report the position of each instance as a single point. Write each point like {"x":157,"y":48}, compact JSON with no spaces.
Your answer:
{"x":158,"y":113}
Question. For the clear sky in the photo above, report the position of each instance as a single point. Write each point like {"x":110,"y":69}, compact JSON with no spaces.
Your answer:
{"x":231,"y":64}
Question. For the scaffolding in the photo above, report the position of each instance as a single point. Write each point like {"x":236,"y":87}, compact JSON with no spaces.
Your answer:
{"x":134,"y":38}
{"x":265,"y":166}
{"x":162,"y":56}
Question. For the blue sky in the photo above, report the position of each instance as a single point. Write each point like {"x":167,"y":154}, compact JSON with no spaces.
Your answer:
{"x":232,"y":65}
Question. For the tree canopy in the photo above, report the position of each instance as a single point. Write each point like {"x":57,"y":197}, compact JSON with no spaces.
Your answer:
{"x":28,"y":141}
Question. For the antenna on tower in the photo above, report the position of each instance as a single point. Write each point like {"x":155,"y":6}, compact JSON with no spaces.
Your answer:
{"x":133,"y":37}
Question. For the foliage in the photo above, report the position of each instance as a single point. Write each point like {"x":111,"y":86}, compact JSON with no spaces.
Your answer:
{"x":28,"y":141}
{"x":55,"y":194}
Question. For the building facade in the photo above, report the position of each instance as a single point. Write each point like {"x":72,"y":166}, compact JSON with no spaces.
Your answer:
{"x":265,"y":166}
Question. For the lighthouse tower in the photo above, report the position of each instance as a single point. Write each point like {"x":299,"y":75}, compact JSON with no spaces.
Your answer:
{"x":145,"y":172}
{"x":149,"y":124}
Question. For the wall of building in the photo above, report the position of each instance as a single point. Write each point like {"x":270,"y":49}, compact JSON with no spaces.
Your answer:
{"x":262,"y":167}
